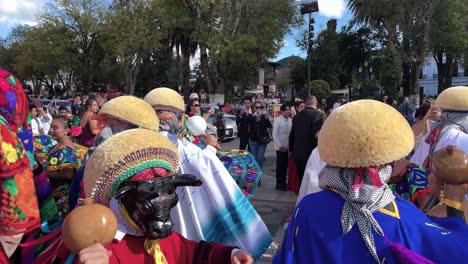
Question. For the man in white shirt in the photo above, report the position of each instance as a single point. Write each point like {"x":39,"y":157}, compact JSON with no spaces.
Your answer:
{"x":45,"y":118}
{"x":281,"y":129}
{"x":36,"y":124}
{"x":337,"y":104}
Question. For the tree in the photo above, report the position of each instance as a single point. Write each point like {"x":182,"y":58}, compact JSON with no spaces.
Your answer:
{"x":298,"y":74}
{"x":320,"y":88}
{"x":130,"y":35}
{"x":391,"y":73}
{"x":83,"y":20}
{"x":283,"y":83}
{"x":407,"y":25}
{"x":329,"y":62}
{"x":449,"y":31}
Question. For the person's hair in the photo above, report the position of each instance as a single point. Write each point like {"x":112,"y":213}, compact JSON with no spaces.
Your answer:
{"x":76,"y":96}
{"x":64,"y":121}
{"x":283,"y":107}
{"x":247,"y":98}
{"x":86,"y":107}
{"x":299,"y":103}
{"x":310,"y":100}
{"x":422,"y":110}
{"x":31,"y":107}
{"x":63,"y":108}
{"x":221,"y":107}
{"x":189,"y":105}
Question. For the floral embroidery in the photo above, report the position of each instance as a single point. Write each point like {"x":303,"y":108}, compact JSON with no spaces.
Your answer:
{"x":9,"y":152}
{"x":53,"y":161}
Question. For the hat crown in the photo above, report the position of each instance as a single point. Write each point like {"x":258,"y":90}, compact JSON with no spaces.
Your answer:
{"x":364,"y":133}
{"x":165,"y":99}
{"x":454,"y":98}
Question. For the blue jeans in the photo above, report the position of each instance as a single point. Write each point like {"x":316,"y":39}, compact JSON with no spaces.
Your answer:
{"x":258,"y":150}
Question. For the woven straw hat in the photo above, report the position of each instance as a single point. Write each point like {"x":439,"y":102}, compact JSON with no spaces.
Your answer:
{"x":132,"y":110}
{"x":165,"y":99}
{"x":364,"y":133}
{"x":123,"y":156}
{"x":455,"y":98}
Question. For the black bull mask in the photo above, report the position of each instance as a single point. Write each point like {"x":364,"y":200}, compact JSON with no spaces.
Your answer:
{"x":149,"y":202}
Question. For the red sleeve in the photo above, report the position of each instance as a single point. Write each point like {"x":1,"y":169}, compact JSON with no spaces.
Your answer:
{"x":203,"y":252}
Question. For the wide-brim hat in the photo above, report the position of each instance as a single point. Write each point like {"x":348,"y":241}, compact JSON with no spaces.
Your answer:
{"x":364,"y":133}
{"x":122,"y":157}
{"x":455,"y":98}
{"x":165,"y":99}
{"x":131,"y":110}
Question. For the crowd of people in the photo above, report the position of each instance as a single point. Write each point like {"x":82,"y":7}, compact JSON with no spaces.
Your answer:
{"x":372,"y":189}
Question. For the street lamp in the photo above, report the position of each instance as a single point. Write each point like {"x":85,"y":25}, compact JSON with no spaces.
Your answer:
{"x":309,"y":7}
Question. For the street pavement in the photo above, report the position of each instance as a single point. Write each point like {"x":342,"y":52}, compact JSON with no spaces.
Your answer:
{"x":273,"y":206}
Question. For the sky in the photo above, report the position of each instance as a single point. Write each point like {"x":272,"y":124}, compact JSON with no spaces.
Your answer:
{"x":328,"y":9}
{"x":14,"y":12}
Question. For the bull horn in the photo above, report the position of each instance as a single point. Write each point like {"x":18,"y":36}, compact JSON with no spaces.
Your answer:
{"x":186,"y":180}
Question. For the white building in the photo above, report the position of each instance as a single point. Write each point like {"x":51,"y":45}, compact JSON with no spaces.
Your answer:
{"x":429,"y":82}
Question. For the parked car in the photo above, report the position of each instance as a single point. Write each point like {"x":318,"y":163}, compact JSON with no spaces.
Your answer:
{"x":231,"y":127}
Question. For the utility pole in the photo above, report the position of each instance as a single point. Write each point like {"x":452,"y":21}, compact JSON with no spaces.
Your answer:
{"x":309,"y":7}
{"x":309,"y":49}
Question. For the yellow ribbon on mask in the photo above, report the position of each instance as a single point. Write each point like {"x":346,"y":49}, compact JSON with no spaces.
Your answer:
{"x":151,"y":246}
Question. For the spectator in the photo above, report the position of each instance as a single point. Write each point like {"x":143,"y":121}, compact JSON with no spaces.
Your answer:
{"x":88,"y":124}
{"x":63,"y":111}
{"x":220,"y":124}
{"x":407,"y":110}
{"x":100,"y":100}
{"x":243,"y":123}
{"x":45,"y":118}
{"x":281,"y":129}
{"x":304,"y":134}
{"x":258,"y":134}
{"x":76,"y":106}
{"x":203,"y":96}
{"x":338,"y":103}
{"x":36,"y":124}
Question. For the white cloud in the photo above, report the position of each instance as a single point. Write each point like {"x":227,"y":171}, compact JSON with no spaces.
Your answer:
{"x":332,"y":8}
{"x":20,"y":11}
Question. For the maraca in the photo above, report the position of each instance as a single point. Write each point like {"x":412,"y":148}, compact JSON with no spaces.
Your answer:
{"x":450,"y":165}
{"x":88,"y":224}
{"x":196,"y":125}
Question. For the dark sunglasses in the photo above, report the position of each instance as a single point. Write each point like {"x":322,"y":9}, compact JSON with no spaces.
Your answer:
{"x":259,"y":107}
{"x":196,"y":105}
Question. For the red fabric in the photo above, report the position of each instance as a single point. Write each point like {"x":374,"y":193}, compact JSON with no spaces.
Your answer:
{"x":293,"y":178}
{"x":150,"y":174}
{"x":176,"y":249}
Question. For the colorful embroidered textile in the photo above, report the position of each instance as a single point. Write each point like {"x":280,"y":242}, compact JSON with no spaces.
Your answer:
{"x":410,"y":183}
{"x":244,"y":170}
{"x":19,"y":210}
{"x":43,"y":144}
{"x":63,"y":159}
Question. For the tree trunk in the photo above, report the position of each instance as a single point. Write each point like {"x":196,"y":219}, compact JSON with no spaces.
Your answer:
{"x":205,"y":69}
{"x":444,"y":69}
{"x":186,"y":71}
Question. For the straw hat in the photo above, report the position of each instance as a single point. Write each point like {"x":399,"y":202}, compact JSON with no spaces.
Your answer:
{"x":132,"y":110}
{"x":364,"y":133}
{"x":123,"y":156}
{"x":165,"y":99}
{"x":455,"y":98}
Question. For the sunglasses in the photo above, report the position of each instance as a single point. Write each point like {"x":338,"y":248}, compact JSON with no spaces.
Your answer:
{"x":259,"y":107}
{"x":196,"y":105}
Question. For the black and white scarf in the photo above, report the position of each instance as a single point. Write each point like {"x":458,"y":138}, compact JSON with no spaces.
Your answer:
{"x":364,"y":191}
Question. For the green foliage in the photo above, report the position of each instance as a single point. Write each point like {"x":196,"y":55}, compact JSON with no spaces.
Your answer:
{"x":328,"y":56}
{"x":391,"y":73}
{"x":298,"y":74}
{"x":282,"y":82}
{"x":320,"y":88}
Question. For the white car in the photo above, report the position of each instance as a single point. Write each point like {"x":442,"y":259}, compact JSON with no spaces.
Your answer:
{"x":231,"y":126}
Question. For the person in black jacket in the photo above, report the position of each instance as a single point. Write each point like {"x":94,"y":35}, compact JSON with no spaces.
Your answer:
{"x":304,"y":134}
{"x":259,"y":136}
{"x":243,"y":123}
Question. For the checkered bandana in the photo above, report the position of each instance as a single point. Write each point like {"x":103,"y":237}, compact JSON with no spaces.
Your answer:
{"x":363,"y":194}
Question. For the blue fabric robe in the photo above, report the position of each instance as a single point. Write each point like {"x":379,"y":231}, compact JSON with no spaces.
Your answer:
{"x":315,"y":234}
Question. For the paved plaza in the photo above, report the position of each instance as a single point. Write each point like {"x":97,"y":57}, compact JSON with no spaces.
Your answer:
{"x":273,"y":206}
